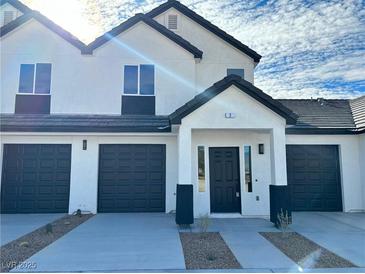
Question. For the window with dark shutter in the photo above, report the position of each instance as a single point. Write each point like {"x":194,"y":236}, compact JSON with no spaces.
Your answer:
{"x":130,"y":79}
{"x":238,"y":72}
{"x":147,"y":79}
{"x":26,"y":79}
{"x":41,"y":73}
{"x":43,"y":79}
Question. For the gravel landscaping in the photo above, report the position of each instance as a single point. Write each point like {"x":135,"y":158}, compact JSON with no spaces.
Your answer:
{"x":305,"y":252}
{"x":13,"y":254}
{"x":207,"y":250}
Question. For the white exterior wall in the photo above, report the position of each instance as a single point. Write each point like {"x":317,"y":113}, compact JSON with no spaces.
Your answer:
{"x":260,"y":164}
{"x":218,"y":55}
{"x":8,"y":7}
{"x":362,"y":165}
{"x":254,"y":124}
{"x":83,"y":84}
{"x":349,"y":150}
{"x":84,"y":164}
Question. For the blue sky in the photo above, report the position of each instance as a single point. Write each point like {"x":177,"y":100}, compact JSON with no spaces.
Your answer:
{"x":309,"y":48}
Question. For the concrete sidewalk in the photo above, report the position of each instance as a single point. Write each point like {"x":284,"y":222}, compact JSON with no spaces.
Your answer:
{"x":14,"y":226}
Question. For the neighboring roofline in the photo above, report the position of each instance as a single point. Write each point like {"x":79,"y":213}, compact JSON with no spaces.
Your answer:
{"x":221,"y":86}
{"x":150,"y":22}
{"x":47,"y":23}
{"x":44,"y":123}
{"x":321,"y":131}
{"x":206,"y":24}
{"x":16,"y":4}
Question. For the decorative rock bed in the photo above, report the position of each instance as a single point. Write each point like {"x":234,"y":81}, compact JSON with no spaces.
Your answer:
{"x":305,"y":252}
{"x":207,"y":250}
{"x":13,"y":254}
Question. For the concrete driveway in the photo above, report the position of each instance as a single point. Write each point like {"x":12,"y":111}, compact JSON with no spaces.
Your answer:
{"x":150,"y":242}
{"x":112,"y":242}
{"x":14,"y":226}
{"x":341,"y":233}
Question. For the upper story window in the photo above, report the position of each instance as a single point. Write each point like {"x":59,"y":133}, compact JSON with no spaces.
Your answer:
{"x":172,"y":21}
{"x":8,"y":16}
{"x":35,"y":78}
{"x":234,"y":71}
{"x":139,"y":80}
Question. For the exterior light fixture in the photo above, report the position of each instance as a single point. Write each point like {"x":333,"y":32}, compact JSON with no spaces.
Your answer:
{"x":84,"y":144}
{"x":261,"y":149}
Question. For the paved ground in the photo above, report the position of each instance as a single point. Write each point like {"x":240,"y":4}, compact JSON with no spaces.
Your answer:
{"x":250,"y":248}
{"x":342,"y":233}
{"x":111,"y":242}
{"x":14,"y":226}
{"x":150,"y":243}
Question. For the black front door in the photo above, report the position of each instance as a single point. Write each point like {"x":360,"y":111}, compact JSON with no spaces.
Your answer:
{"x":225,"y":188}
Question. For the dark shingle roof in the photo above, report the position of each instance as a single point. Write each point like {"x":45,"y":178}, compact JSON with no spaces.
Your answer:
{"x":206,"y":24}
{"x":321,"y":113}
{"x":152,"y":23}
{"x":221,"y":86}
{"x":358,"y":112}
{"x":83,"y":123}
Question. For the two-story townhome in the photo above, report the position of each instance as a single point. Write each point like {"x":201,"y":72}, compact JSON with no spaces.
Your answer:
{"x":165,"y":98}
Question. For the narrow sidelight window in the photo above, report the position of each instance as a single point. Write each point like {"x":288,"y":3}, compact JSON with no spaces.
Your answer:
{"x":147,"y":80}
{"x":248,"y":168}
{"x":130,"y":79}
{"x":239,"y":72}
{"x":35,"y":79}
{"x":201,"y":168}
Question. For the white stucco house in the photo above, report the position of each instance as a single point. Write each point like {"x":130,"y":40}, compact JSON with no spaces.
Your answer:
{"x":165,"y":98}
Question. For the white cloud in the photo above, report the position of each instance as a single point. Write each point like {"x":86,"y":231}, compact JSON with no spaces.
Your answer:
{"x":310,"y":48}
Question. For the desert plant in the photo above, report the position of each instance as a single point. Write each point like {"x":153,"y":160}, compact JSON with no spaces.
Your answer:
{"x":78,"y":212}
{"x":24,"y":244}
{"x":49,"y":228}
{"x":283,"y":221}
{"x":203,"y":223}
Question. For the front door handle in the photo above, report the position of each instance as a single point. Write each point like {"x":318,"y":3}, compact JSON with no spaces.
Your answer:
{"x":237,"y":194}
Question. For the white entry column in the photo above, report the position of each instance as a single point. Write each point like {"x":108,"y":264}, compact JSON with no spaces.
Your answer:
{"x":184,"y":155}
{"x":278,"y":157}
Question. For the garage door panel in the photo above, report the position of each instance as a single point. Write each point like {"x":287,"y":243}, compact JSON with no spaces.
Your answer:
{"x":36,"y":182}
{"x":129,"y":181}
{"x":313,"y":177}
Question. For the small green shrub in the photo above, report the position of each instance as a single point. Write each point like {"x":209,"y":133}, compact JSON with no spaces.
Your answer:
{"x":283,"y":221}
{"x":49,"y":228}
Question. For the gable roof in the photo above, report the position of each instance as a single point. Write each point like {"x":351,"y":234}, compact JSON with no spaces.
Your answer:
{"x":153,"y":24}
{"x":16,"y":4}
{"x":206,"y":24}
{"x":221,"y":86}
{"x":358,"y":112}
{"x":44,"y":21}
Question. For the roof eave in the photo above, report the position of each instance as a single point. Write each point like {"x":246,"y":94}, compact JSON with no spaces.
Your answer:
{"x":206,"y":24}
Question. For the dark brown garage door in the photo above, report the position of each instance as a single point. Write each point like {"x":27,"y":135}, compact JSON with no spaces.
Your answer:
{"x":314,"y":177}
{"x":35,"y":178}
{"x":131,"y":178}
